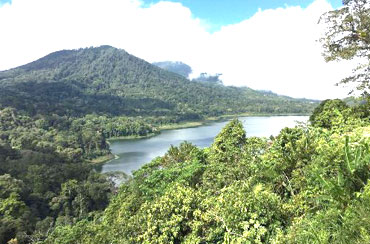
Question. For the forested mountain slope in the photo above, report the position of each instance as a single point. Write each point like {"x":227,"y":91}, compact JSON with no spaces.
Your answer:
{"x":57,"y":113}
{"x":310,"y":184}
{"x":106,"y":80}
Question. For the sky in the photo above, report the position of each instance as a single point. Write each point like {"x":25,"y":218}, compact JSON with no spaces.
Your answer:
{"x":217,"y":13}
{"x":265,"y":45}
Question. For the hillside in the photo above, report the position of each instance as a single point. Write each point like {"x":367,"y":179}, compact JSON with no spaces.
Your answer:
{"x":70,"y":102}
{"x":106,"y":80}
{"x":57,"y":113}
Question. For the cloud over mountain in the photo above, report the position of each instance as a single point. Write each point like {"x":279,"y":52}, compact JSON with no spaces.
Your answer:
{"x":275,"y":49}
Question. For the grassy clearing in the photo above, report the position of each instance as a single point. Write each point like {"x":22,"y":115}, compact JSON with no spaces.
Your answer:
{"x":101,"y":159}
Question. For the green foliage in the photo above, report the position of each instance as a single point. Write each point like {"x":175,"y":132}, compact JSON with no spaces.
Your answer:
{"x":338,"y":116}
{"x":225,"y":156}
{"x":75,"y":201}
{"x":307,"y":185}
{"x":109,"y":81}
{"x":241,"y":213}
{"x":310,"y":184}
{"x":228,"y":145}
{"x":167,"y":219}
{"x":184,"y":165}
{"x":347,"y":36}
{"x":58,"y":112}
{"x":40,"y":189}
{"x":330,"y":113}
{"x":13,"y":210}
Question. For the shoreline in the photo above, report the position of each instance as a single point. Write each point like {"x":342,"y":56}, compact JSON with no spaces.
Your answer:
{"x":190,"y":124}
{"x":194,"y":124}
{"x":102,"y":159}
{"x":122,"y":138}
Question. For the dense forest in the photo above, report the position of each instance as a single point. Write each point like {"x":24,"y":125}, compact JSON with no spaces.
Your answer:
{"x":309,"y":184}
{"x":109,"y":81}
{"x":72,"y":101}
{"x":57,"y":113}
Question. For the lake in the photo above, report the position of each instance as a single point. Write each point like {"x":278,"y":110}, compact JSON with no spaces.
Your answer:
{"x":132,"y":154}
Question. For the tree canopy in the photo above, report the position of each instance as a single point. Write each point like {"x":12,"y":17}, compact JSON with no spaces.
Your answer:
{"x":347,"y":37}
{"x":307,"y":185}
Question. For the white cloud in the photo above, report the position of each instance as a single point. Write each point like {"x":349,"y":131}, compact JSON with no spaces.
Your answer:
{"x":273,"y":50}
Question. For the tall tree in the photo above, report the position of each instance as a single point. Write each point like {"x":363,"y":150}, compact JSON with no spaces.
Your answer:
{"x":348,"y":36}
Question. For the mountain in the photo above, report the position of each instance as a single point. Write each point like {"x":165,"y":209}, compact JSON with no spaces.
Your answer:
{"x":107,"y":80}
{"x":175,"y":67}
{"x":57,"y":113}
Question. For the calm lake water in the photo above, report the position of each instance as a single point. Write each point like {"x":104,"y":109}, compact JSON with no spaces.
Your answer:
{"x":136,"y":152}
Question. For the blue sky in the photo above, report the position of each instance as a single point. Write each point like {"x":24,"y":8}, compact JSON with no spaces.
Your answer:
{"x":5,"y":1}
{"x":217,"y":13}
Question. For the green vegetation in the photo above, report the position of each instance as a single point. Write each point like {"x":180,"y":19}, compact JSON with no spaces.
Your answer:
{"x":310,"y":184}
{"x":72,"y":138}
{"x":348,"y":36}
{"x":39,"y":190}
{"x":110,"y":82}
{"x":58,"y":113}
{"x":307,"y":185}
{"x":72,"y":102}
